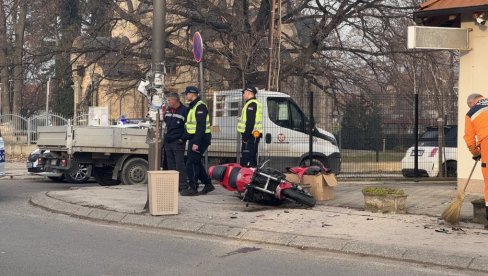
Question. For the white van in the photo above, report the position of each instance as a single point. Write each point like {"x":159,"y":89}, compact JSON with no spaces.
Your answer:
{"x":286,"y":136}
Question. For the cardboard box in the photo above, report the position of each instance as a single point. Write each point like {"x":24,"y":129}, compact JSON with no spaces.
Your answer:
{"x":322,"y":185}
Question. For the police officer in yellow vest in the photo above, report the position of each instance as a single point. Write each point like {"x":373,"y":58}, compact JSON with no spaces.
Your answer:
{"x":197,"y":133}
{"x":250,"y":125}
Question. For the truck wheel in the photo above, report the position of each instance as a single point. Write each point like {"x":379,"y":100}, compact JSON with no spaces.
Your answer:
{"x":103,"y":176}
{"x":56,"y":178}
{"x":78,"y":174}
{"x":135,"y":171}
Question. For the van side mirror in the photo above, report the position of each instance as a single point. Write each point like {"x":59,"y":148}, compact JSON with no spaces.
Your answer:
{"x":267,"y":138}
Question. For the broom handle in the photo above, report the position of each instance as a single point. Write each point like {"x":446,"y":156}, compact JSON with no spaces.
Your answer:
{"x":470,"y":174}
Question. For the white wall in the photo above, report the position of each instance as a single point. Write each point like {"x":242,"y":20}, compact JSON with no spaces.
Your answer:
{"x":473,"y":78}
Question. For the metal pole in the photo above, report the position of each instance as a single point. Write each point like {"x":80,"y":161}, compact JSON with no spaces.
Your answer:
{"x":311,"y":127}
{"x":202,"y":91}
{"x":416,"y":126}
{"x":270,"y":44}
{"x":440,"y":139}
{"x":47,"y":100}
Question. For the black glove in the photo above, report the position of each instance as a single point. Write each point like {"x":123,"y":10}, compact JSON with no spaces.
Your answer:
{"x":477,"y":157}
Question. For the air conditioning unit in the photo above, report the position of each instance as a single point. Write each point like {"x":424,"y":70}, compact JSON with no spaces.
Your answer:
{"x":421,"y":37}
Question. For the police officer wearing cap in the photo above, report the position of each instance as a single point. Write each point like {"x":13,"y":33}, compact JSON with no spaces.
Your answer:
{"x":197,"y":132}
{"x":250,"y":126}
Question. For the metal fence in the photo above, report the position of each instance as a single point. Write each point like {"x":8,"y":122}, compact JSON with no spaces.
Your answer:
{"x":15,"y":128}
{"x":372,"y":136}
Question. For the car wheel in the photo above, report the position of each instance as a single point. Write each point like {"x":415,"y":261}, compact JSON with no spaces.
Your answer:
{"x":449,"y":169}
{"x":79,"y":173}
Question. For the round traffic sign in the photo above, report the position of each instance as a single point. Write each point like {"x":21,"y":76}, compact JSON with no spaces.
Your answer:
{"x":197,"y":47}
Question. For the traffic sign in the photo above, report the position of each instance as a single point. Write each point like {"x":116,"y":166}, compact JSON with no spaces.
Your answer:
{"x":197,"y":47}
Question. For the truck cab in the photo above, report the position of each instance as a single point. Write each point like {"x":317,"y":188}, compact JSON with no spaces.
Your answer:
{"x":286,"y":134}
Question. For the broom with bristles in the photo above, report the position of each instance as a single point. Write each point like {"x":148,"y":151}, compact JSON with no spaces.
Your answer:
{"x":453,"y":211}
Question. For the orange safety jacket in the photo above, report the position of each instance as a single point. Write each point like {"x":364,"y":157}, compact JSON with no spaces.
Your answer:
{"x":476,"y":126}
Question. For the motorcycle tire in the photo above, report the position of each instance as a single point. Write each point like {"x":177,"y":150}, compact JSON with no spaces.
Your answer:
{"x":300,"y":197}
{"x":219,"y":173}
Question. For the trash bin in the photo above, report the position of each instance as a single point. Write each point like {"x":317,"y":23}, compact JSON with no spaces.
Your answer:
{"x":163,"y":192}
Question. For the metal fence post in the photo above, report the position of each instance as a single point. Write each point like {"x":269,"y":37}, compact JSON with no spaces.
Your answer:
{"x":29,"y":132}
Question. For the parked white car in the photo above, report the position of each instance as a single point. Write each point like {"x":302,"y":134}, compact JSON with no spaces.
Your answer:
{"x":428,"y":154}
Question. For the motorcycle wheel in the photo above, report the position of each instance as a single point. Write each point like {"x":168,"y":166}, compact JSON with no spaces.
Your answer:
{"x":300,"y":197}
{"x":219,"y":173}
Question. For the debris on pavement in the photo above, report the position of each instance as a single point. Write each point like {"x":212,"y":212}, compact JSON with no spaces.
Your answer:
{"x":458,"y":229}
{"x":442,"y":230}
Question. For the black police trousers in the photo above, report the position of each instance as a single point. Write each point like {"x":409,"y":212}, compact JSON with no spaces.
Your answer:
{"x":249,"y":152}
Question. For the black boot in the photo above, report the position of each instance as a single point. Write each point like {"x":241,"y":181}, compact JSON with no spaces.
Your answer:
{"x":207,"y":189}
{"x":189,"y":192}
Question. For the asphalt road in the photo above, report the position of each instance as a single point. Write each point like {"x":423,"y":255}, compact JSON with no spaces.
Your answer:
{"x":36,"y":242}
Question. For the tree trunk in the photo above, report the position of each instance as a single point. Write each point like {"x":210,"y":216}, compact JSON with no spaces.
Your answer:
{"x":4,"y":102}
{"x":18,"y":58}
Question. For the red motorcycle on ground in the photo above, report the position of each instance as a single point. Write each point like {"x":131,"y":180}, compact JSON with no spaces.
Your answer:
{"x":260,"y":184}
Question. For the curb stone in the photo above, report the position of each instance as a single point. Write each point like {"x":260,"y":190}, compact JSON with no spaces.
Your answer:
{"x":429,"y":257}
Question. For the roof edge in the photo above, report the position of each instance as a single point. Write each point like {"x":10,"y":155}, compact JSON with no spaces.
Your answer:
{"x":428,"y":3}
{"x":422,"y":14}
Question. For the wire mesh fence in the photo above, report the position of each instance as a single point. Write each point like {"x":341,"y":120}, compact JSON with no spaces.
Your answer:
{"x":348,"y":134}
{"x":375,"y":137}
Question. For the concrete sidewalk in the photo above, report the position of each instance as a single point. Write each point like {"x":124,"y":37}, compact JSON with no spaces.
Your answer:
{"x":421,"y":238}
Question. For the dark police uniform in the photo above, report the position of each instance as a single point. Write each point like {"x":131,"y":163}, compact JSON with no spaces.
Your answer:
{"x":197,"y":127}
{"x":174,"y":145}
{"x":251,"y":121}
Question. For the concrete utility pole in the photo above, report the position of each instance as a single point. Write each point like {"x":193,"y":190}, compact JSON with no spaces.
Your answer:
{"x":270,"y":45}
{"x":157,"y":84}
{"x":158,"y":45}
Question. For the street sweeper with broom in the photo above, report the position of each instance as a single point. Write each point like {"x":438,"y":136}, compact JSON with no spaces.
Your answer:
{"x":476,"y":138}
{"x":476,"y":135}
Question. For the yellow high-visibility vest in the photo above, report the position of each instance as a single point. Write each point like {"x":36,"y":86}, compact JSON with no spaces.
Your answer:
{"x":191,"y":120}
{"x":258,"y":123}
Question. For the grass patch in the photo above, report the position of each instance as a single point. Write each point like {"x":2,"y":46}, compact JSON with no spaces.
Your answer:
{"x":382,"y":191}
{"x":370,"y":156}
